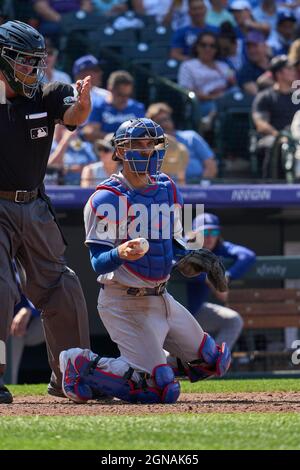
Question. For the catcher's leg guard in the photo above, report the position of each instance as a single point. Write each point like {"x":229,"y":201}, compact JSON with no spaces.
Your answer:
{"x":83,"y":379}
{"x":164,"y":389}
{"x":214,"y":360}
{"x":163,"y":376}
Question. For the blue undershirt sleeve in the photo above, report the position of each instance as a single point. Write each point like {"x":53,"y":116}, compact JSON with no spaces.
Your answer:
{"x":104,"y":259}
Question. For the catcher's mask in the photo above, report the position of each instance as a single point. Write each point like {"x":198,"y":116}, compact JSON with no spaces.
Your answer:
{"x":141,"y":142}
{"x":22,"y":57}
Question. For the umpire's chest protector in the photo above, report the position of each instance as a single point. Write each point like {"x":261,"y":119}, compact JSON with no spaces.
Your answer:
{"x":150,"y":215}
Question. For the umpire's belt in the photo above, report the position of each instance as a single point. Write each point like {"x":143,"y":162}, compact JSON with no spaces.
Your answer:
{"x":144,"y":291}
{"x":20,"y":196}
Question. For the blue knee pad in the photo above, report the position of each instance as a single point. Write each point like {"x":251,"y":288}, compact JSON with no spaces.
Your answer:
{"x":164,"y":378}
{"x":166,"y":390}
{"x":214,"y":360}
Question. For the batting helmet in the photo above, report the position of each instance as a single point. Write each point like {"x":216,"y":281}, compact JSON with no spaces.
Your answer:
{"x":129,"y":140}
{"x":22,"y":57}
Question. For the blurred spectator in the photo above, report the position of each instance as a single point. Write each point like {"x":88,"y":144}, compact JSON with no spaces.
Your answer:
{"x":241,"y":10}
{"x":218,"y":320}
{"x":167,"y":12}
{"x":177,"y":15}
{"x":52,"y":74}
{"x":273,"y":110}
{"x":70,"y":154}
{"x":177,"y":154}
{"x":175,"y":160}
{"x":202,"y":164}
{"x":229,"y":48}
{"x":50,"y":14}
{"x":26,"y":327}
{"x":290,"y":5}
{"x":266,"y":12}
{"x":184,"y":38}
{"x":90,"y":65}
{"x":118,"y":106}
{"x":294,"y":57}
{"x":284,"y":34}
{"x":295,"y":131}
{"x":218,"y":13}
{"x":110,"y":7}
{"x":257,"y":64}
{"x":158,"y":8}
{"x":207,"y":77}
{"x":94,"y":173}
{"x":26,"y":330}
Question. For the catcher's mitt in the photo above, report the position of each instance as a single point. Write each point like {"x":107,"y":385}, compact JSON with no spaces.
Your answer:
{"x":203,"y":260}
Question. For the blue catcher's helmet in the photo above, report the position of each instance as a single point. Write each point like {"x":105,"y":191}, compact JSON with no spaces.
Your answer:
{"x":141,"y":142}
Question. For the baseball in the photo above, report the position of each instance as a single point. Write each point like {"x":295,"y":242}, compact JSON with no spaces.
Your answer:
{"x":143,"y":244}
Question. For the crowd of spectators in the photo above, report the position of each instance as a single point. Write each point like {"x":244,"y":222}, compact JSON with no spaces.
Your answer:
{"x":221,"y":46}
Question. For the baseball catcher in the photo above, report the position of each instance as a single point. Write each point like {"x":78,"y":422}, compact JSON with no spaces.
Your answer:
{"x":134,"y":305}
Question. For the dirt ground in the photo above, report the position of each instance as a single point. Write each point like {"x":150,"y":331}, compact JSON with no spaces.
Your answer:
{"x":188,"y":403}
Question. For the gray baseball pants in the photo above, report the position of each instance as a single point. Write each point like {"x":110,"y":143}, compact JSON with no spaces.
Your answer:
{"x":143,"y":327}
{"x":223,"y":323}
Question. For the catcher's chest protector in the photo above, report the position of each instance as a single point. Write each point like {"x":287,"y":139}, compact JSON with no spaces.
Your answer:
{"x":156,"y":264}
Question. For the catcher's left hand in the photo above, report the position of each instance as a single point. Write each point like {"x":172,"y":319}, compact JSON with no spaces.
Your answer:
{"x":203,"y":260}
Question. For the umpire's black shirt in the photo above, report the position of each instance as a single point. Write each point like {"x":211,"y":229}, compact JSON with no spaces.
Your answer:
{"x":26,"y":133}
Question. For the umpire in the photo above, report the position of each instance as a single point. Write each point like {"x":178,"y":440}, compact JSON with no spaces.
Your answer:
{"x":28,"y":228}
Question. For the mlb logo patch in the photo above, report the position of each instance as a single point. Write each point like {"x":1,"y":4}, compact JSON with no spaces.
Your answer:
{"x":39,"y":132}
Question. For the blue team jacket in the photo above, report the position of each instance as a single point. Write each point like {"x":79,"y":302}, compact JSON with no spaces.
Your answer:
{"x":242,"y":258}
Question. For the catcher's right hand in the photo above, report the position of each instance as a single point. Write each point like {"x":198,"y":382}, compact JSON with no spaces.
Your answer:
{"x":203,"y":260}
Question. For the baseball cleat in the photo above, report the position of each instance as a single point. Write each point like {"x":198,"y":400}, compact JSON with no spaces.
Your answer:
{"x":72,"y":384}
{"x":55,"y":391}
{"x":5,"y":395}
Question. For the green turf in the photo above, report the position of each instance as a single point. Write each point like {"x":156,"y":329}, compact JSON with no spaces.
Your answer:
{"x":242,"y":385}
{"x":207,"y":386}
{"x":32,"y":389}
{"x":184,"y":431}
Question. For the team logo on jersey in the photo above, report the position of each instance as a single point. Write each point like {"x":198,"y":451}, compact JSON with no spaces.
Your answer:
{"x":70,"y":100}
{"x":39,"y":132}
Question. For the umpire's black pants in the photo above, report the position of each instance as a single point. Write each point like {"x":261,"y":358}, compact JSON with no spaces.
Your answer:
{"x":29,"y":232}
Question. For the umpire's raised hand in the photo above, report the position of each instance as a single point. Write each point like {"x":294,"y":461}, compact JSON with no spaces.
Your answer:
{"x":78,"y":112}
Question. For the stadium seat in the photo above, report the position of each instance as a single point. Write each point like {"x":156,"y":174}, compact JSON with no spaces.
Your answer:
{"x":82,"y":21}
{"x":144,"y":50}
{"x":148,"y":20}
{"x":20,"y":10}
{"x":75,"y":45}
{"x":145,"y":53}
{"x":156,"y":35}
{"x":282,"y":163}
{"x":109,"y":37}
{"x":167,"y":69}
{"x":231,"y":127}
